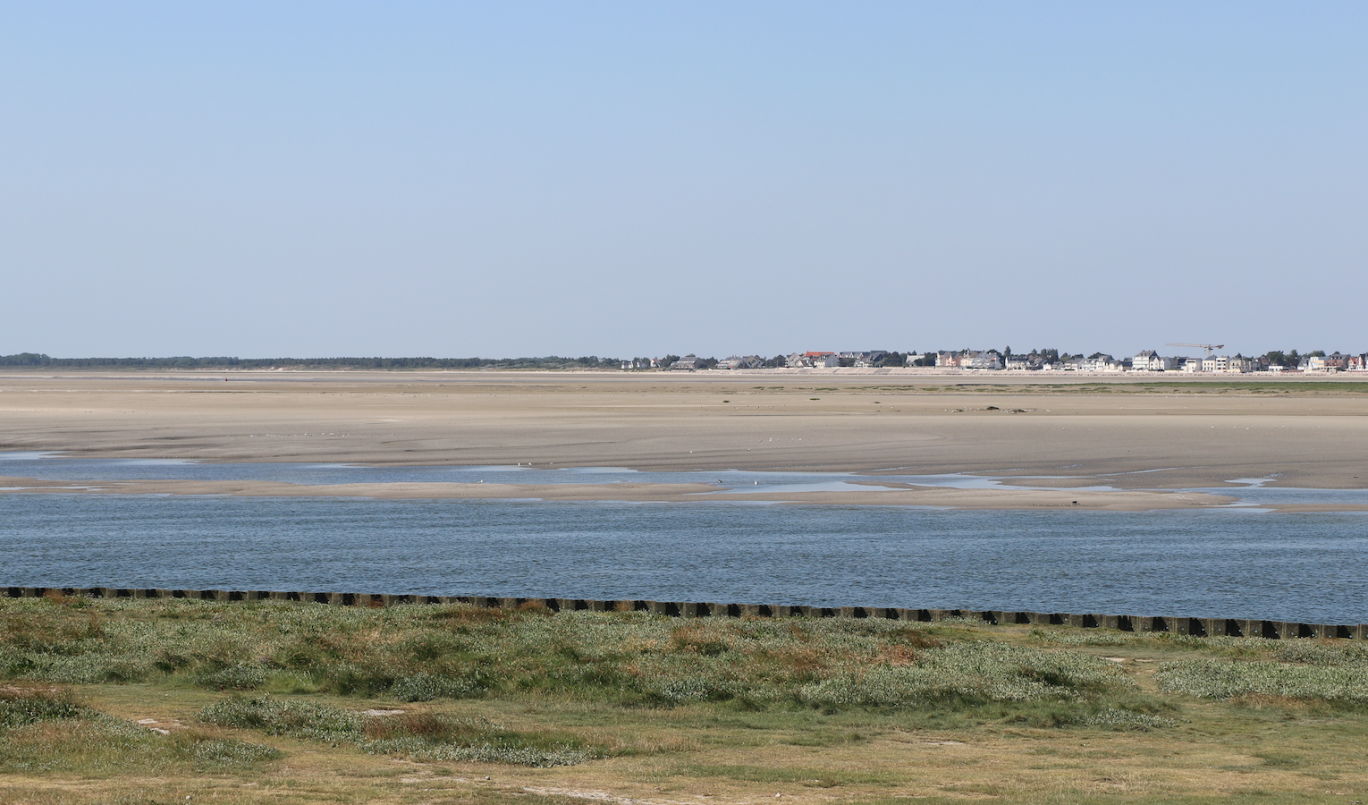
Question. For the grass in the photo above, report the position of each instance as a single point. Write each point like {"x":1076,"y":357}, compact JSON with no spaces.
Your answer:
{"x":421,"y":654}
{"x":422,"y":736}
{"x":281,"y":702}
{"x":46,"y":730}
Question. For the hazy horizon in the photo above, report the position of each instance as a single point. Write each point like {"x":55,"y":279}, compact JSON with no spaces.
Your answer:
{"x":505,"y":180}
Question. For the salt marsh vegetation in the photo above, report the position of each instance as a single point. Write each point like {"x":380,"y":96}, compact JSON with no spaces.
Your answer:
{"x":212,"y":698}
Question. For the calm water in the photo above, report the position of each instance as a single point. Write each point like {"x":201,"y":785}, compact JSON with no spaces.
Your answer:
{"x":1249,"y":491}
{"x":1210,"y":563}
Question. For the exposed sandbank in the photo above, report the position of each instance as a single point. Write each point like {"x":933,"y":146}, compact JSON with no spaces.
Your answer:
{"x":1183,"y":434}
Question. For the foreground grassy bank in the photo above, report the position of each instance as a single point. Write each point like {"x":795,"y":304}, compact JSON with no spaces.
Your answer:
{"x":157,"y":701}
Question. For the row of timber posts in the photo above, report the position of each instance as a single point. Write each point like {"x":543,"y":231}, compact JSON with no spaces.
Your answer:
{"x":1195,"y":627}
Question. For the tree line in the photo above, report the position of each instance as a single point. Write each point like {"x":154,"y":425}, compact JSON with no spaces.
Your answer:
{"x":34,"y":359}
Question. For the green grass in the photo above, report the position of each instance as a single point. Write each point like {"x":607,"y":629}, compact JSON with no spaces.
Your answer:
{"x":1342,"y":686}
{"x":420,"y":736}
{"x":301,"y":700}
{"x":427,"y":653}
{"x":47,"y":730}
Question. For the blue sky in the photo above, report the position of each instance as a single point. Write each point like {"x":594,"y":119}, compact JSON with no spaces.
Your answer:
{"x":501,"y":179}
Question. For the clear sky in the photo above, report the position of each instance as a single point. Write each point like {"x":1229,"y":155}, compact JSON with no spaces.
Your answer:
{"x":515,"y":178}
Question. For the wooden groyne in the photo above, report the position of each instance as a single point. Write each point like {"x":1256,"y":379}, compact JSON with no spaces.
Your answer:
{"x":1196,"y":627}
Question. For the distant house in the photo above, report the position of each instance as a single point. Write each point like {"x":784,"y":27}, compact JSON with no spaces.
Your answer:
{"x":874,"y":356}
{"x":1148,"y":360}
{"x":821,"y":360}
{"x":1033,"y":362}
{"x":1099,"y":363}
{"x":748,"y":362}
{"x":948,"y":360}
{"x":1327,"y":363}
{"x":688,"y":362}
{"x":848,"y":358}
{"x":862,"y":359}
{"x":981,"y":360}
{"x":1224,"y":364}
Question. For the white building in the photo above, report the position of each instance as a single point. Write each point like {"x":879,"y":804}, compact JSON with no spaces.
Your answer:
{"x":981,"y":360}
{"x":1101,"y":363}
{"x":748,"y":362}
{"x":1333,"y":362}
{"x":1150,"y":361}
{"x":1224,"y":364}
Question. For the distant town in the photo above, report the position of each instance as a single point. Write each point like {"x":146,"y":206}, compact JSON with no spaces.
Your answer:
{"x":1039,"y":360}
{"x":964,"y":360}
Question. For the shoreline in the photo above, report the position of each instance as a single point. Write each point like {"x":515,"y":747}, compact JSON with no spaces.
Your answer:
{"x":997,"y":499}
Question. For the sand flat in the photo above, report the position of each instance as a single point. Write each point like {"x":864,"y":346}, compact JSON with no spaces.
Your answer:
{"x":1078,"y":431}
{"x":1013,"y":499}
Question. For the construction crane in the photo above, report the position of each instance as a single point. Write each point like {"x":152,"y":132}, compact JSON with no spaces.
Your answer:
{"x":1207,"y":347}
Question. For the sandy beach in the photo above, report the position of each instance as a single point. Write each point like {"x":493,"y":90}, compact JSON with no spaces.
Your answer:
{"x":1140,"y":436}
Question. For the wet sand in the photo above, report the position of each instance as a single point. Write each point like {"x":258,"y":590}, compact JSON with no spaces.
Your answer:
{"x":1014,"y":499}
{"x":1147,"y":433}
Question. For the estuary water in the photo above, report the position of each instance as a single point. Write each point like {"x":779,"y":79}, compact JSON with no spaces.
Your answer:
{"x":1250,"y":492}
{"x":1237,"y":562}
